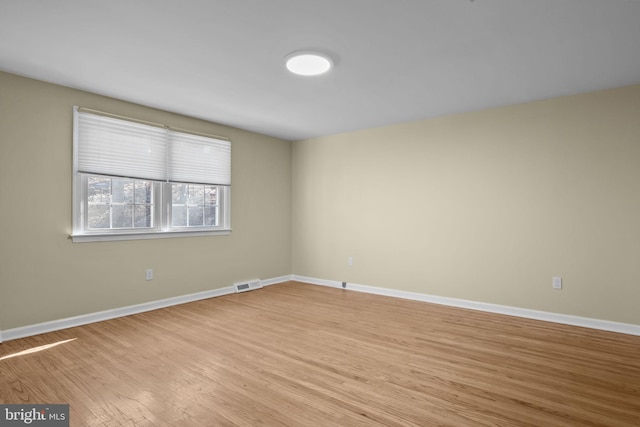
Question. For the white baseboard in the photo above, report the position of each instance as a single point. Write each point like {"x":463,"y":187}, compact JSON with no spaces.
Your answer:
{"x":70,"y":322}
{"x":275,"y":280}
{"x":605,"y":325}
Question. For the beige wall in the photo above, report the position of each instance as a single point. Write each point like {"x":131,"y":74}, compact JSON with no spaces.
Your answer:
{"x":43,"y":276}
{"x":485,"y":206}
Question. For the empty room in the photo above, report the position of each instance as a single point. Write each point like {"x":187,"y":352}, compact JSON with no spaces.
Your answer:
{"x":320,"y":213}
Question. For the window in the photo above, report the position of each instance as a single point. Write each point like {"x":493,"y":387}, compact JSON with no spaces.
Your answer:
{"x":194,"y":205}
{"x":142,"y":180}
{"x":118,"y":203}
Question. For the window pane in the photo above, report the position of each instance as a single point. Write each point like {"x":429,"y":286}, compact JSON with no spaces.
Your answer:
{"x":142,"y":216}
{"x":210,"y":215}
{"x":179,"y":193}
{"x":143,"y":192}
{"x":99,"y":190}
{"x":211,"y":194}
{"x":98,"y":216}
{"x":179,"y":216}
{"x":196,"y":194}
{"x":122,"y":190}
{"x":122,"y":216}
{"x":196,"y":215}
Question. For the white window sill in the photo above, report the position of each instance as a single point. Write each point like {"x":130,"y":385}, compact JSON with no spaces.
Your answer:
{"x":111,"y":237}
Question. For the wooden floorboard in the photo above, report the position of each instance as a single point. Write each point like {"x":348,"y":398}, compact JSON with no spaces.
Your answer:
{"x":301,"y":355}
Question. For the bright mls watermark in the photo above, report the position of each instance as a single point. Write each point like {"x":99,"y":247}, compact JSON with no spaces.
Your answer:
{"x":34,"y":415}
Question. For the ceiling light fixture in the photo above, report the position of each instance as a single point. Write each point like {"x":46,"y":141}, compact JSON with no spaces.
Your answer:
{"x":307,"y":63}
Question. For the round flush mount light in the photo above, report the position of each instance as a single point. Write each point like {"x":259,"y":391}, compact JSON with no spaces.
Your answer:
{"x":307,"y":63}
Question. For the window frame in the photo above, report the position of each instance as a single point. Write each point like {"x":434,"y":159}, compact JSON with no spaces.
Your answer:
{"x":161,"y":211}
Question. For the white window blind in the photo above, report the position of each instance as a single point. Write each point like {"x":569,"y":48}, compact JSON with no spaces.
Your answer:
{"x":116,"y":147}
{"x":199,"y":159}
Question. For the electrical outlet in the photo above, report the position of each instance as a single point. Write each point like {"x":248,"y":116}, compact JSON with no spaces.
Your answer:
{"x":350,"y":261}
{"x":149,"y":274}
{"x":556,"y":282}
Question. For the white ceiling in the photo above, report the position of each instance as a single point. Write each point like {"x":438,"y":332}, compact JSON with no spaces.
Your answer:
{"x":395,"y":61}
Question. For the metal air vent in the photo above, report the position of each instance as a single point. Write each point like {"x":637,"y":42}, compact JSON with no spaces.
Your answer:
{"x":247,"y":286}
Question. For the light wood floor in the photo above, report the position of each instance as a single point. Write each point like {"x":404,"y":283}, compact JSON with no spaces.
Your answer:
{"x":302,"y":355}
